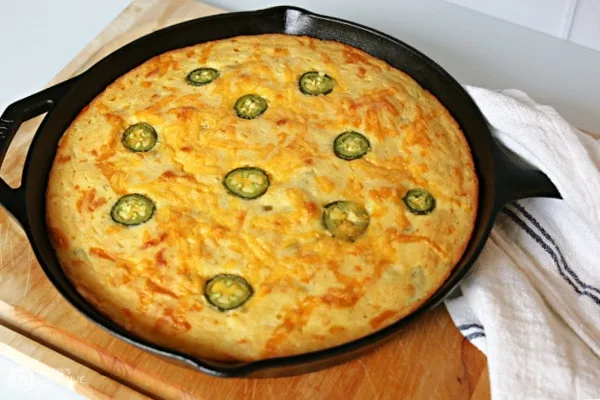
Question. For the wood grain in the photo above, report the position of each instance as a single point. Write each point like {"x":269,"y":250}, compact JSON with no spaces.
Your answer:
{"x":61,"y":369}
{"x":428,"y":360}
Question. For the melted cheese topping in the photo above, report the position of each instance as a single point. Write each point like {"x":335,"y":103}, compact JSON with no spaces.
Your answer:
{"x":311,"y":291}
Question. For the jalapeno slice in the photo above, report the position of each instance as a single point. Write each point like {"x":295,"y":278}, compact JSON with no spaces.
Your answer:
{"x":315,"y":83}
{"x":250,"y":106}
{"x":227,"y":291}
{"x":202,"y":76}
{"x":247,"y":182}
{"x":351,"y":145}
{"x":140,"y":137}
{"x":345,"y":220}
{"x":419,"y":201}
{"x":133,"y":209}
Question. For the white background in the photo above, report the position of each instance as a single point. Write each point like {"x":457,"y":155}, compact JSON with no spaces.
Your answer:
{"x":575,"y":20}
{"x":39,"y":37}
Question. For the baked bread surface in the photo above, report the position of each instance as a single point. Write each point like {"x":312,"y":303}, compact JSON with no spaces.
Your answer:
{"x":311,"y":290}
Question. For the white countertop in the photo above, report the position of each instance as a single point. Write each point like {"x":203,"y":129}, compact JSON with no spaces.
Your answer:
{"x":40,"y":37}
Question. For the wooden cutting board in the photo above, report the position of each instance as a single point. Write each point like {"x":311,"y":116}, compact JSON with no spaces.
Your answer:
{"x":429,"y":360}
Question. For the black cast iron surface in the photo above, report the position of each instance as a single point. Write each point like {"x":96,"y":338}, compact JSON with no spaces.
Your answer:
{"x":502,"y":178}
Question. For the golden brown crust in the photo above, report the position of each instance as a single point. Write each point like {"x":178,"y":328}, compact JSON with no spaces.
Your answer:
{"x":312,"y":291}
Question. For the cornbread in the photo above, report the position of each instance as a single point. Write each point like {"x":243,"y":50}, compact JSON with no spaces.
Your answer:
{"x":261,"y":196}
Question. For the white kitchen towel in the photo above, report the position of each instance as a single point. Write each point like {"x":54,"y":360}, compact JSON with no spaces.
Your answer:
{"x":532,"y":304}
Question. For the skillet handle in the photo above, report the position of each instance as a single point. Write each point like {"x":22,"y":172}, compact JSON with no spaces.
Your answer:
{"x":10,"y":121}
{"x":516,"y":179}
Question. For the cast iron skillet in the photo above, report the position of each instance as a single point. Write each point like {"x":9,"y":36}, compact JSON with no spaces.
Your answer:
{"x":502,"y":178}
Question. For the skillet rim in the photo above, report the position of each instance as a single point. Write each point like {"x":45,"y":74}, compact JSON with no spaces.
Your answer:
{"x":296,"y":363}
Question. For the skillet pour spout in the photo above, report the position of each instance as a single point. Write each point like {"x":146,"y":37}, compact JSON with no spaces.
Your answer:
{"x":502,"y":176}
